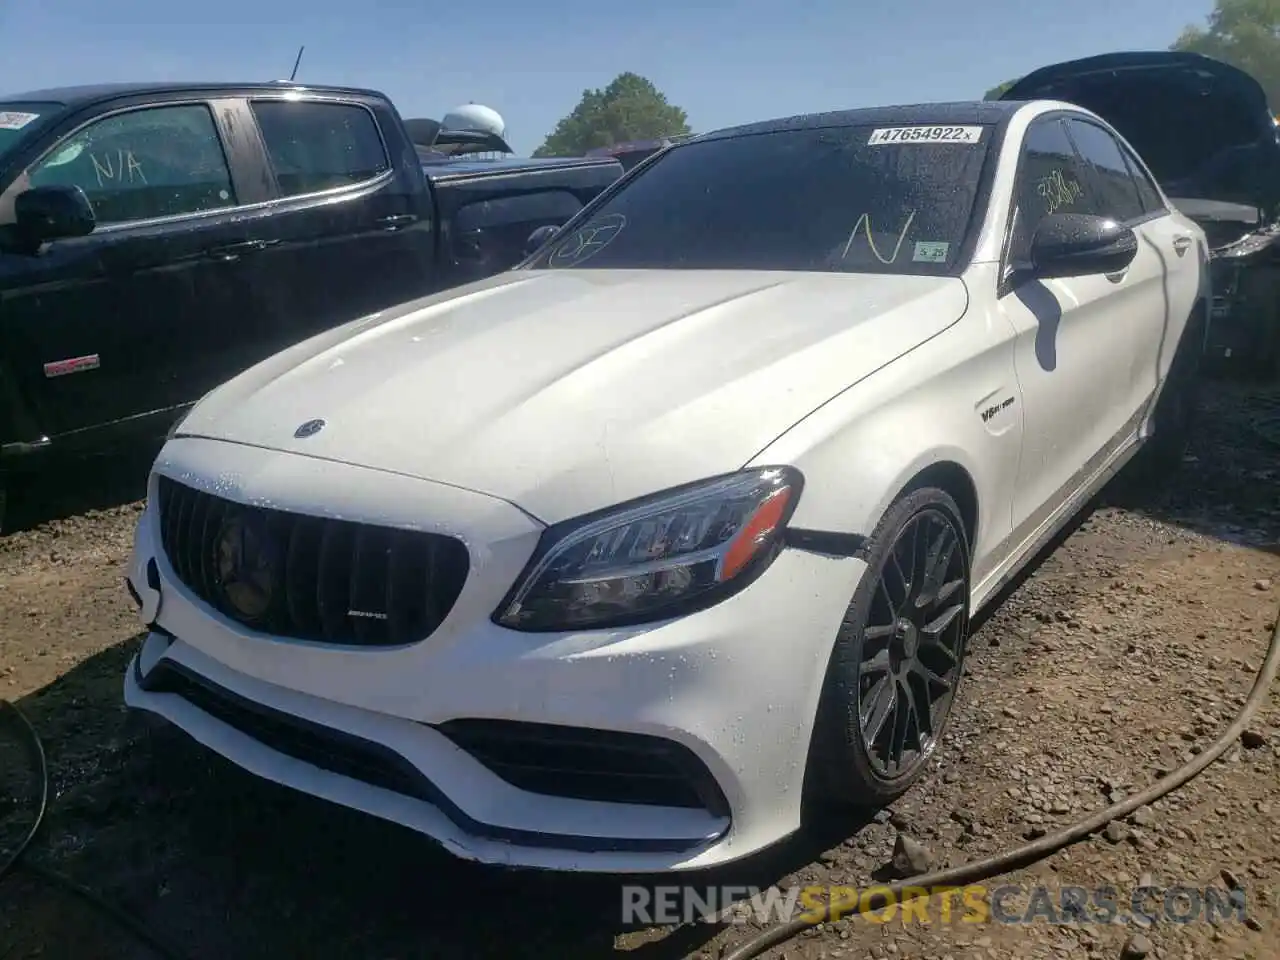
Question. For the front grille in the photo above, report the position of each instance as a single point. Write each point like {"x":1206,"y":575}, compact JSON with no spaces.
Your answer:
{"x":584,"y":764}
{"x":310,"y":578}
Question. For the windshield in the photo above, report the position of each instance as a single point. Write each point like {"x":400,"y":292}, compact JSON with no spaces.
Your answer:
{"x":21,"y":120}
{"x":855,"y":199}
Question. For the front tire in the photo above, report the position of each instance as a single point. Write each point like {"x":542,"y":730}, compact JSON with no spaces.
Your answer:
{"x":898,"y":658}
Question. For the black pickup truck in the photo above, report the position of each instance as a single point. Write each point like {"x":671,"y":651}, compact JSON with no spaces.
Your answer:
{"x":155,"y":240}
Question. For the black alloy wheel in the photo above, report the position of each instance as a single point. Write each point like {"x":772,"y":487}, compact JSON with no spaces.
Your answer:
{"x":912,"y":647}
{"x":898,"y":659}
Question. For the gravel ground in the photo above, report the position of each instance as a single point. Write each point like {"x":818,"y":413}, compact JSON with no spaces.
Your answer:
{"x":1129,"y":649}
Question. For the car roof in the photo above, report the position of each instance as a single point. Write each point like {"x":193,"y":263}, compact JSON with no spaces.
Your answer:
{"x":970,"y":111}
{"x":80,"y":96}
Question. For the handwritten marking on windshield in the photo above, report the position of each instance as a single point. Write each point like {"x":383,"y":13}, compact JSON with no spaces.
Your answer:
{"x":587,"y":240}
{"x":1057,"y":191}
{"x":864,"y":224}
{"x":126,"y":167}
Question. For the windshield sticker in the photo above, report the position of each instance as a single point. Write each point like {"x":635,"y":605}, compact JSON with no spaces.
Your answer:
{"x":588,"y":240}
{"x":1057,"y":191}
{"x":886,"y":135}
{"x":864,"y":224}
{"x":931,"y":251}
{"x":16,"y":121}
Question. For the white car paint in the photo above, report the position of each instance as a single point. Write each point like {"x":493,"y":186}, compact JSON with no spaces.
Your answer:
{"x":612,"y":398}
{"x":491,"y":412}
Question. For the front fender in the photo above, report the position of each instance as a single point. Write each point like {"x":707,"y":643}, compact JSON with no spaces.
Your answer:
{"x":862,"y":449}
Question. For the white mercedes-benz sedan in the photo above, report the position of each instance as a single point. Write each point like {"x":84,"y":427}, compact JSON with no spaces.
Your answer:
{"x":618,"y":560}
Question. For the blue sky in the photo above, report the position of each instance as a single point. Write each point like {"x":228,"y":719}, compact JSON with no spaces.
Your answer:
{"x":725,"y":64}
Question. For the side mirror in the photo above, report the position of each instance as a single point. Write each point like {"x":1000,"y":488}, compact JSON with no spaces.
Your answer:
{"x":52,"y":213}
{"x":538,"y":238}
{"x":1079,"y":244}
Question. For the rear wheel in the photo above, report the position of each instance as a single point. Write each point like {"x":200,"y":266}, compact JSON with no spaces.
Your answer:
{"x":898,"y":657}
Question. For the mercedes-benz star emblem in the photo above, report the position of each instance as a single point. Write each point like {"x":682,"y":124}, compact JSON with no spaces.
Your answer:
{"x":309,"y":429}
{"x":246,"y":566}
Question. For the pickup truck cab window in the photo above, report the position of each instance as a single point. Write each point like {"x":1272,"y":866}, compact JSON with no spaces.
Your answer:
{"x":317,"y":145}
{"x":142,"y":164}
{"x":1118,"y":194}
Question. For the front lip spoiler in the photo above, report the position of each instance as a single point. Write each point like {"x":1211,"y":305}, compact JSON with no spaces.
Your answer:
{"x":422,"y":788}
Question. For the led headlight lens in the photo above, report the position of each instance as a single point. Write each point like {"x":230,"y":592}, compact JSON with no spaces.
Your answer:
{"x":662,"y":557}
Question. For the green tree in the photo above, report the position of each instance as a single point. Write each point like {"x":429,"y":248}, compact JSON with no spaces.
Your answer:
{"x":1245,"y":34}
{"x":629,"y":108}
{"x":996,"y":92}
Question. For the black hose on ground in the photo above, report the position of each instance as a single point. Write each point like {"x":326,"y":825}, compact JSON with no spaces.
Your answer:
{"x":40,"y":762}
{"x":978,"y":870}
{"x":967,"y":873}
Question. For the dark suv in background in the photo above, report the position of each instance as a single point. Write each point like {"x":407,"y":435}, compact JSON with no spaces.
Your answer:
{"x":1208,"y":134}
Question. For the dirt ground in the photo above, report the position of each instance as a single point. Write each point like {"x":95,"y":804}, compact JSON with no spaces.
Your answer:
{"x":1128,"y":649}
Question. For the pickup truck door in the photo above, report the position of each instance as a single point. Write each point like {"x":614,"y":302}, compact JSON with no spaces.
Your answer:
{"x":352,"y":224}
{"x":1086,"y":346}
{"x":139,"y":315}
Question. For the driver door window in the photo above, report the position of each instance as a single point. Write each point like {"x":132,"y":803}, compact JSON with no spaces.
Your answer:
{"x":1051,"y":179}
{"x":143,"y":165}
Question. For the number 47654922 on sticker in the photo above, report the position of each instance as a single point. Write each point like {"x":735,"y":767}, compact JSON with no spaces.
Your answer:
{"x":922,"y":134}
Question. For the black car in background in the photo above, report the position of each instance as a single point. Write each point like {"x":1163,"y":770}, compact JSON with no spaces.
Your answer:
{"x":156,"y":240}
{"x":1208,"y":134}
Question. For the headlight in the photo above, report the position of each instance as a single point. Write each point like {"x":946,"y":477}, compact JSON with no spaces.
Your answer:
{"x":660,"y":557}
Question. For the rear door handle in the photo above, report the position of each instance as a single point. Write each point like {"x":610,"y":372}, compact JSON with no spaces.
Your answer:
{"x":396,"y":221}
{"x":234,"y":251}
{"x":1181,"y":244}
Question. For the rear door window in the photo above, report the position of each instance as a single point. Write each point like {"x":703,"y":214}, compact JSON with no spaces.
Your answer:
{"x":1118,"y":196}
{"x":1148,"y":192}
{"x":320,"y":145}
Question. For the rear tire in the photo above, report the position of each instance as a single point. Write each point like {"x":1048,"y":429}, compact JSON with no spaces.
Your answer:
{"x":898,"y":658}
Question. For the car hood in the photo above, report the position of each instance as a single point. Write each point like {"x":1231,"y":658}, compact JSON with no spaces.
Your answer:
{"x":1202,"y":126}
{"x":1223,"y":223}
{"x":566,"y":391}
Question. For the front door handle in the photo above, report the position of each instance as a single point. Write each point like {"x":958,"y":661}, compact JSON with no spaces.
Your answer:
{"x":1181,"y":244}
{"x":396,"y":221}
{"x":234,"y":251}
